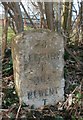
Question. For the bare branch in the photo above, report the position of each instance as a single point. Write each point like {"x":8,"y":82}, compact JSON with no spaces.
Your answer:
{"x":27,"y":14}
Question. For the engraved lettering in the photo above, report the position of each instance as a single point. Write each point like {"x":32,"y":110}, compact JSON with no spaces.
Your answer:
{"x":46,"y":92}
{"x":37,"y":58}
{"x":41,"y":93}
{"x":29,"y":95}
{"x":35,"y":94}
{"x":51,"y":91}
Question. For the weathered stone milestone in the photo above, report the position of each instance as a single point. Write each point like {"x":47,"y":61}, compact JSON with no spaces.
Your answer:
{"x":38,"y":67}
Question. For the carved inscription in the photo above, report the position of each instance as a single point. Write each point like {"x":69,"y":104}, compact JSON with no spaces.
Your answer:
{"x":41,"y":93}
{"x":36,"y":58}
{"x":39,"y":61}
{"x":41,"y":79}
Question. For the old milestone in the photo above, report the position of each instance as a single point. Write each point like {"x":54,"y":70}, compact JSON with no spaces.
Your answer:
{"x":38,"y":67}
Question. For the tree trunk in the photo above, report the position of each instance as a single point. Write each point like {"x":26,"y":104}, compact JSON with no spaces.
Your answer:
{"x":4,"y":32}
{"x":81,"y":19}
{"x":65,"y":20}
{"x":42,"y":21}
{"x":65,"y":15}
{"x":15,"y":13}
{"x":70,"y":17}
{"x":69,"y":21}
{"x":18,"y":18}
{"x":57,"y":6}
{"x":49,"y":15}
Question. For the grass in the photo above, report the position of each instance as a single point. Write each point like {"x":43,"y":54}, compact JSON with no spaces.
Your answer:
{"x":10,"y":35}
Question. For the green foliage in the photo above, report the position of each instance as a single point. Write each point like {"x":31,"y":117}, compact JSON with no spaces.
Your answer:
{"x":10,"y":98}
{"x":10,"y":35}
{"x":81,"y":119}
{"x":73,"y":118}
{"x":59,"y":118}
{"x":7,"y":68}
{"x":66,"y":55}
{"x":78,"y":96}
{"x":11,"y":116}
{"x":10,"y":95}
{"x":27,"y":28}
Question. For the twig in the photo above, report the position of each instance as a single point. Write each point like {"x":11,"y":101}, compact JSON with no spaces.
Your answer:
{"x":69,"y":8}
{"x":27,"y":15}
{"x":33,"y":3}
{"x":75,"y":58}
{"x":18,"y":112}
{"x":68,"y":97}
{"x":64,"y":35}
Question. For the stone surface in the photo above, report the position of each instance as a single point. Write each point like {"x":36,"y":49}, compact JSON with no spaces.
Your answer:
{"x":38,"y":67}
